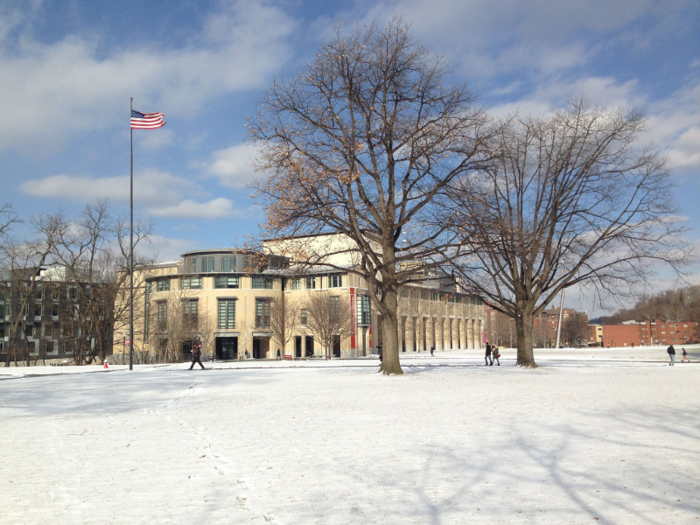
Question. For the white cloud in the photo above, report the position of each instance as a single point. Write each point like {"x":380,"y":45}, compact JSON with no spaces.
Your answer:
{"x":156,"y":140}
{"x":165,"y":248}
{"x":685,"y":151}
{"x":151,"y":187}
{"x":604,"y":92}
{"x":213,"y":209}
{"x":486,"y":40}
{"x":67,"y":87}
{"x":674,"y":123}
{"x":234,"y":166}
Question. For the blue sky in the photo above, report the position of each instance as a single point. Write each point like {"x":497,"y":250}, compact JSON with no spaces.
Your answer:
{"x":68,"y":69}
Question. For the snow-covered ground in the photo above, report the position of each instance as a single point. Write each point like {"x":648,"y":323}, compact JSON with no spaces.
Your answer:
{"x":607,"y":434}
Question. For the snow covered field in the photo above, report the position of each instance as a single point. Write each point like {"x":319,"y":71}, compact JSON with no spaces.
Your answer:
{"x":607,"y":436}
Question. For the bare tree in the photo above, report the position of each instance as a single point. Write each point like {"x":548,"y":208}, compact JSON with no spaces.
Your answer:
{"x":94,"y":253}
{"x":327,"y":318}
{"x":24,"y":262}
{"x":571,"y":200}
{"x":285,"y":317}
{"x":175,"y":321}
{"x":7,"y":219}
{"x":362,"y":143}
{"x":574,"y":329}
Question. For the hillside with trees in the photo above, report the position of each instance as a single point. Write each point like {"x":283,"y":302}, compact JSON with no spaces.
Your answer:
{"x":681,"y":304}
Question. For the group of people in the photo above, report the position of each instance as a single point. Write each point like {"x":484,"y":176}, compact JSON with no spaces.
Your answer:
{"x":492,"y":353}
{"x":672,"y":354}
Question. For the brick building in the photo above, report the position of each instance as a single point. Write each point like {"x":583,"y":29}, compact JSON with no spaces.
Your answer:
{"x":500,"y":329}
{"x":645,"y":333}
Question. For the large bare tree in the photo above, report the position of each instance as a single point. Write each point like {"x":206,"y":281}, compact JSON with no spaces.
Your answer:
{"x":362,"y":143}
{"x":572,"y":199}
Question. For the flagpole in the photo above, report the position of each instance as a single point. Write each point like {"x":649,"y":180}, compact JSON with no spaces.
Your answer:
{"x":131,"y":250}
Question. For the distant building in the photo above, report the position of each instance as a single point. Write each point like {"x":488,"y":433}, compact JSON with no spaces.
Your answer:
{"x":46,"y":322}
{"x":573,"y":332}
{"x":645,"y":333}
{"x":500,"y":328}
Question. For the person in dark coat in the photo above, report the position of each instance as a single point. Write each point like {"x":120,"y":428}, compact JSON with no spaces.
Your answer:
{"x":279,"y":354}
{"x":380,"y":351}
{"x":488,"y":355}
{"x":197,"y":354}
{"x":685,"y":359}
{"x":672,"y":354}
{"x":432,"y":351}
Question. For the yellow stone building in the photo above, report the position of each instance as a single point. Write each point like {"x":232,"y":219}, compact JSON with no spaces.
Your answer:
{"x":228,"y":297}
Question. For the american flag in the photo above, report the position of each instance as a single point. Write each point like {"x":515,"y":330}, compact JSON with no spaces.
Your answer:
{"x":146,"y":120}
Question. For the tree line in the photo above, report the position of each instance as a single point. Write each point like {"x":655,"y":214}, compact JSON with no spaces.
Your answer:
{"x":372,"y":141}
{"x":682,"y":304}
{"x":66,"y":284}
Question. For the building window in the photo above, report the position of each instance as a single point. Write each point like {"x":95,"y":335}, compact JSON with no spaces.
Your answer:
{"x":262,"y":313}
{"x":311,"y":283}
{"x":162,"y":320}
{"x":191,"y":283}
{"x":295,"y":284}
{"x":190,"y":265}
{"x":304,"y":316}
{"x":365,"y":310}
{"x":163,"y":285}
{"x":226,"y":282}
{"x":262,"y":283}
{"x":190,"y":310}
{"x":208,"y":263}
{"x":226,"y":314}
{"x":37,"y":310}
{"x":335,"y":281}
{"x":229,"y":263}
{"x":335,"y":307}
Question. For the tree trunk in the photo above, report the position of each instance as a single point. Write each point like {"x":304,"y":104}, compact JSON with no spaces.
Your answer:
{"x":524,"y":329}
{"x":390,"y":335}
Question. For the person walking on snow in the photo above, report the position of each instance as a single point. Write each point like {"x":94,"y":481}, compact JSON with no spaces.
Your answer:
{"x":197,"y":354}
{"x":672,"y":354}
{"x":685,"y":359}
{"x":488,"y":355}
{"x":496,"y":356}
{"x":432,"y":351}
{"x":279,"y":355}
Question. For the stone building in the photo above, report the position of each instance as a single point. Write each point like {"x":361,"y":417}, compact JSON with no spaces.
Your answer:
{"x":227,"y":297}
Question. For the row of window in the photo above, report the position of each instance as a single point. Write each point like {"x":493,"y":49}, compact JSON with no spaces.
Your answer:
{"x":53,"y":294}
{"x":226,"y":314}
{"x":424,"y":294}
{"x":195,"y":283}
{"x":37,"y":310}
{"x":229,"y":263}
{"x":257,"y":283}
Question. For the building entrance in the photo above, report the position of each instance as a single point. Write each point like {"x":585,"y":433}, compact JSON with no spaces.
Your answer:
{"x":226,"y":348}
{"x":336,"y":346}
{"x":309,"y":345}
{"x":261,"y":346}
{"x":297,"y":346}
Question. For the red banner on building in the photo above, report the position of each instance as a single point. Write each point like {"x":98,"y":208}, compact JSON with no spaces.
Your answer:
{"x":353,"y":313}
